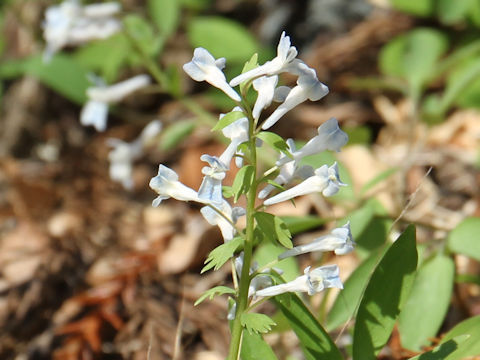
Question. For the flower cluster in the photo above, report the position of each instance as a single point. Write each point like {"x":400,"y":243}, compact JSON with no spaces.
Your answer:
{"x":72,"y":24}
{"x":245,"y":128}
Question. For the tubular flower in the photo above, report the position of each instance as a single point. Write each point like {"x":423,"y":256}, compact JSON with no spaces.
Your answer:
{"x":95,"y":110}
{"x":211,"y":187}
{"x":308,"y":88}
{"x":325,"y":180}
{"x":237,"y":132}
{"x":166,"y":185}
{"x":282,"y":62}
{"x":214,"y":218}
{"x":265,"y":87}
{"x":71,"y":24}
{"x":289,"y":170}
{"x":311,"y":282}
{"x":330,"y":137}
{"x":340,"y":240}
{"x":204,"y":67}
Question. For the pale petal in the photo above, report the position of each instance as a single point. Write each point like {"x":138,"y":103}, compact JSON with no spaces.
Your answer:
{"x":117,"y":92}
{"x":94,"y":113}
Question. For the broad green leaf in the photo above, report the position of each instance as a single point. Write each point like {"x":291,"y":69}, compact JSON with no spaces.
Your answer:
{"x":347,"y":301}
{"x":300,"y":224}
{"x":384,"y":297}
{"x":254,"y":348}
{"x":175,"y":133}
{"x":222,"y":37}
{"x":221,"y":254}
{"x":417,"y":7}
{"x":274,"y":228}
{"x":451,"y":12}
{"x":413,"y":56}
{"x":256,"y":323}
{"x":275,"y":141}
{"x":471,"y":346}
{"x":62,"y":74}
{"x":243,"y":180}
{"x":314,"y":340}
{"x":165,"y":14}
{"x":143,"y":35}
{"x":105,"y":57}
{"x":429,"y":300}
{"x":215,"y":291}
{"x":249,"y":65}
{"x":464,"y":238}
{"x":463,"y":85}
{"x":228,"y":119}
{"x":441,"y":351}
{"x":267,"y":252}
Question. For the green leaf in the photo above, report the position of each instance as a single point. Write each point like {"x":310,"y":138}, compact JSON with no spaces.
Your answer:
{"x":347,"y":301}
{"x":464,"y":238}
{"x":175,"y":134}
{"x":385,"y":296}
{"x":143,"y":35}
{"x":300,"y":224}
{"x":222,"y":37}
{"x":165,"y":14}
{"x":215,"y":291}
{"x":413,"y":56}
{"x":441,"y":351}
{"x":106,"y":57}
{"x":417,"y":7}
{"x":463,"y":85}
{"x":471,"y":346}
{"x":429,"y":300}
{"x":243,"y":180}
{"x":62,"y":74}
{"x":267,"y":252}
{"x":257,"y":323}
{"x":228,"y":119}
{"x":221,"y":254}
{"x":254,"y":348}
{"x":249,"y":65}
{"x":451,"y":12}
{"x":274,"y":228}
{"x":314,"y":340}
{"x":275,"y":141}
{"x":378,"y":179}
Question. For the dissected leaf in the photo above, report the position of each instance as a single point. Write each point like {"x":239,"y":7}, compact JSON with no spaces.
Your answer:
{"x":429,"y":300}
{"x":243,"y":180}
{"x":274,"y":228}
{"x":254,"y":347}
{"x":257,"y":323}
{"x":384,"y":297}
{"x":215,"y":291}
{"x":249,"y":65}
{"x":300,"y":224}
{"x":221,"y":254}
{"x":228,"y":119}
{"x":275,"y":141}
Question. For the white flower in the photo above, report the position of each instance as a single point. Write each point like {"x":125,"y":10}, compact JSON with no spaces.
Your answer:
{"x":324,"y":180}
{"x":282,"y":62}
{"x":330,"y":137}
{"x":340,"y":240}
{"x":237,"y":132}
{"x":289,"y":170}
{"x":311,"y":282}
{"x":123,"y":154}
{"x":259,"y":281}
{"x":71,"y":24}
{"x":166,"y":185}
{"x":211,"y":187}
{"x":204,"y":67}
{"x":214,"y":218}
{"x":265,"y":87}
{"x":308,"y":88}
{"x":95,"y":111}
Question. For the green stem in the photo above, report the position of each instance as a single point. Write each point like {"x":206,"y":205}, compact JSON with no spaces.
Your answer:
{"x":242,"y":298}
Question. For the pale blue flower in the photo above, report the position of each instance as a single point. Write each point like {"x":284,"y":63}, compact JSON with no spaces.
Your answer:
{"x":325,"y":180}
{"x":308,"y":88}
{"x":311,"y":282}
{"x":214,"y":218}
{"x":204,"y":67}
{"x":339,"y":240}
{"x":211,"y":187}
